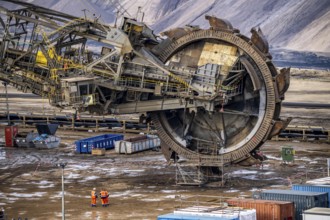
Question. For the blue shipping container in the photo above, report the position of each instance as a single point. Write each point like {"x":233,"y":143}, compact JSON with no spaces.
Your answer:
{"x":173,"y":216}
{"x":302,"y":200}
{"x":314,"y":188}
{"x":106,"y":141}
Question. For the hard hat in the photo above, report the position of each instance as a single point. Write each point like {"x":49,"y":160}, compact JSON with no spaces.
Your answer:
{"x":94,"y":188}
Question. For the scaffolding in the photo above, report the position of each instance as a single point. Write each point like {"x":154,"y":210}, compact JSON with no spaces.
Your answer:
{"x":197,"y":175}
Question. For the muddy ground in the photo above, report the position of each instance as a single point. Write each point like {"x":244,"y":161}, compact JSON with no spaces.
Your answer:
{"x":143,"y":185}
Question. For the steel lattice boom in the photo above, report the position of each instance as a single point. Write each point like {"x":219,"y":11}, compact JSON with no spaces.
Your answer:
{"x":213,"y":94}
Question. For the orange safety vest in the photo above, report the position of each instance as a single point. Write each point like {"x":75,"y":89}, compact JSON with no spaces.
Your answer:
{"x":93,"y":194}
{"x":104,"y":194}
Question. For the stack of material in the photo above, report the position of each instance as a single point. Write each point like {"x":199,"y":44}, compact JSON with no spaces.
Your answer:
{"x":211,"y":212}
{"x":106,"y":141}
{"x":266,"y":209}
{"x":137,"y":144}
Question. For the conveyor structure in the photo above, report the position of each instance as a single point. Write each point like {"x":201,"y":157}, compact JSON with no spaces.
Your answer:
{"x":213,"y":94}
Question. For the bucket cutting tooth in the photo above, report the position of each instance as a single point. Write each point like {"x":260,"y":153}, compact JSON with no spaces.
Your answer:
{"x":283,"y":81}
{"x":259,"y":40}
{"x":219,"y":24}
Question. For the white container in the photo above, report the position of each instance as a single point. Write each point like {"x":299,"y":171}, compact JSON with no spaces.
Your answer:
{"x":127,"y":147}
{"x":316,"y":214}
{"x":218,"y":212}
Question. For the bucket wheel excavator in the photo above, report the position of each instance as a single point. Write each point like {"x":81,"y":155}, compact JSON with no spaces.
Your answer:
{"x":213,"y":95}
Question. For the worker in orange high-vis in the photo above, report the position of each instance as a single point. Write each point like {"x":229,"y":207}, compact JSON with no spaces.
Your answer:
{"x":93,"y":197}
{"x":104,"y":198}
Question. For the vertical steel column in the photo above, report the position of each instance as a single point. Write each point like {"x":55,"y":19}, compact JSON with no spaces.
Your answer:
{"x":7,"y":103}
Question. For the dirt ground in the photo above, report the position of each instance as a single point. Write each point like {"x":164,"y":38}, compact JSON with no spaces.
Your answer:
{"x":143,"y":185}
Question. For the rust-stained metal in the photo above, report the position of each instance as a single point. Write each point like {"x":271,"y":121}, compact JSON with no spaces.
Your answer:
{"x":283,"y":81}
{"x":218,"y":23}
{"x":259,"y":40}
{"x":279,"y":126}
{"x":266,"y":209}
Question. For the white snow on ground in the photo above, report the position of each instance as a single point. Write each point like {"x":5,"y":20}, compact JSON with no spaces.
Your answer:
{"x":305,"y":159}
{"x":123,"y":194}
{"x":137,"y":195}
{"x":273,"y":157}
{"x":133,"y":172}
{"x":58,"y":195}
{"x":72,"y":176}
{"x":150,"y":200}
{"x":255,"y":189}
{"x":231,"y":191}
{"x":27,"y":195}
{"x":278,"y":186}
{"x":44,"y":184}
{"x":238,"y":172}
{"x":169,"y":197}
{"x":91,"y":178}
{"x":2,"y":153}
{"x":78,"y":167}
{"x":258,"y":177}
{"x":16,"y":189}
{"x":168,"y":191}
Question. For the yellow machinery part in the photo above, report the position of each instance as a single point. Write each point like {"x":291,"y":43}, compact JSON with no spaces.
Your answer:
{"x":42,"y":60}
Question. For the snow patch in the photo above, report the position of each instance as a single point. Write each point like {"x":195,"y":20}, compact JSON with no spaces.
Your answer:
{"x":273,"y":157}
{"x":169,"y":197}
{"x":231,"y":191}
{"x":27,"y":195}
{"x":168,"y":191}
{"x":150,"y":200}
{"x":240,"y":172}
